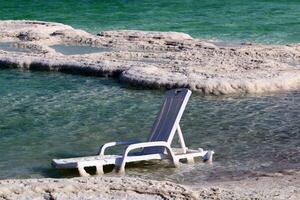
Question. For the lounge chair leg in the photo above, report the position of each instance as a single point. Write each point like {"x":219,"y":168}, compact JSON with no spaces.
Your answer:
{"x":175,"y":162}
{"x":82,"y":172}
{"x":208,"y":157}
{"x":119,"y":169}
{"x":99,"y":170}
{"x":190,"y":160}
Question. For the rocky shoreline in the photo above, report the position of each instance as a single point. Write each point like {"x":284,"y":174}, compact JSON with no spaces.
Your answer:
{"x":284,"y":185}
{"x":153,"y":59}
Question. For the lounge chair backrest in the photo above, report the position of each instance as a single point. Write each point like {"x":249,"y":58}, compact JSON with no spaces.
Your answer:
{"x":168,"y":118}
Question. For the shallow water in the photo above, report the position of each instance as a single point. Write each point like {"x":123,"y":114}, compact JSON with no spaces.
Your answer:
{"x":52,"y":115}
{"x":266,"y":21}
{"x":9,"y":46}
{"x":78,"y":50}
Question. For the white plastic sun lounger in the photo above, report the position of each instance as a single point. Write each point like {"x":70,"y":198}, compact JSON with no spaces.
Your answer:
{"x":158,"y":145}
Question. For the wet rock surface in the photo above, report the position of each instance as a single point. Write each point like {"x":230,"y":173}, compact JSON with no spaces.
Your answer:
{"x":154,"y":59}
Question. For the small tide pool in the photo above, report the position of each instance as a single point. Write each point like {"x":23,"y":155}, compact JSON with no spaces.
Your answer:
{"x":52,"y":115}
{"x":78,"y":49}
{"x":10,"y":47}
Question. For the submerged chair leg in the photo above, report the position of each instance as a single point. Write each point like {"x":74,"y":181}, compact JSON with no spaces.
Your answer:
{"x":171,"y":156}
{"x":99,"y":170}
{"x":119,"y":169}
{"x":175,"y":162}
{"x":120,"y":166}
{"x":208,"y":157}
{"x":82,"y":171}
{"x":190,"y":160}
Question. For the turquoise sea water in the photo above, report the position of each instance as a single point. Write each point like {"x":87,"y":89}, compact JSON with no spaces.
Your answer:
{"x":52,"y":115}
{"x":266,"y":21}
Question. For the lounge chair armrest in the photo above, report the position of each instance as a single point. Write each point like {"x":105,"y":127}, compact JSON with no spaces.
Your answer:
{"x":111,"y":144}
{"x":143,"y":145}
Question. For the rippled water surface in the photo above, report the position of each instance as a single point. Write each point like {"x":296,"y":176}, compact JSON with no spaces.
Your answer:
{"x":51,"y":115}
{"x":267,"y":21}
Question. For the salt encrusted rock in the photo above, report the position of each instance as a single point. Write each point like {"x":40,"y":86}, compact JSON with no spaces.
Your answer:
{"x":155,"y":59}
{"x":280,"y":186}
{"x":145,"y":35}
{"x":21,"y":28}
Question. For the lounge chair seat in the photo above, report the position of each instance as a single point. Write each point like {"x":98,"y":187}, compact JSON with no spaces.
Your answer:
{"x":158,"y":146}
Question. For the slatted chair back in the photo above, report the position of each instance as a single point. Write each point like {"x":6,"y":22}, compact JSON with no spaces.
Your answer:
{"x":168,"y":118}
